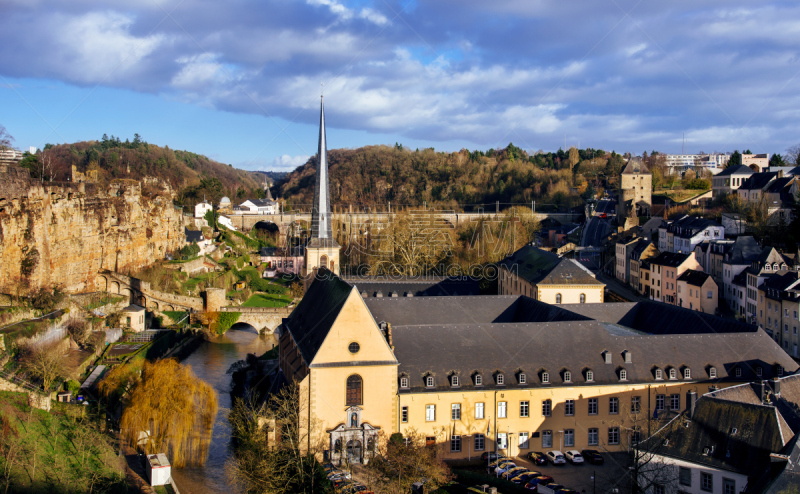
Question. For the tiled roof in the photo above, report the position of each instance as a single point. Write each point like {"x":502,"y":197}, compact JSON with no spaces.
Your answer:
{"x":193,"y":235}
{"x":671,"y":259}
{"x":694,"y":277}
{"x":744,"y":251}
{"x":531,"y":263}
{"x":735,"y":170}
{"x":635,"y":165}
{"x":758,"y":181}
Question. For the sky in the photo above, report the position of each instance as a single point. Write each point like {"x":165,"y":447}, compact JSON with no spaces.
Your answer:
{"x":240,"y":80}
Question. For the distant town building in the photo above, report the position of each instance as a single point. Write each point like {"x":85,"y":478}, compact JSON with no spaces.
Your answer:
{"x":697,"y":291}
{"x":665,"y":269}
{"x":257,"y":206}
{"x":623,"y":251}
{"x":284,"y":260}
{"x":225,"y":205}
{"x":756,"y":162}
{"x":201,"y":208}
{"x":132,"y":318}
{"x":635,"y":189}
{"x":735,"y":261}
{"x":226,"y":222}
{"x":548,"y":277}
{"x":729,"y":180}
{"x":681,"y":163}
{"x":684,"y":233}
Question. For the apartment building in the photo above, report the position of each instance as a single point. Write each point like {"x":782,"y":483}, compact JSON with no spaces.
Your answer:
{"x":623,"y":251}
{"x":681,"y":163}
{"x":683,"y":234}
{"x":769,"y":263}
{"x":665,"y":269}
{"x":781,"y":304}
{"x":735,"y":260}
{"x":697,"y":291}
{"x":729,"y":180}
{"x":639,"y":276}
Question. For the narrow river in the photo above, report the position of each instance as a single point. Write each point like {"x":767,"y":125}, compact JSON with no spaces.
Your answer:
{"x":210,"y":363}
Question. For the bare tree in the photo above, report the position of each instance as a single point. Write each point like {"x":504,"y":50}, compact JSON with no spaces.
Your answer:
{"x":46,"y":166}
{"x":5,"y":139}
{"x":43,"y":362}
{"x":792,"y":154}
{"x":404,"y":460}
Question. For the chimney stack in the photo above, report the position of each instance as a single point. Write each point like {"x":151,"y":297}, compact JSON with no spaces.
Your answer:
{"x":691,"y":401}
{"x":761,"y":394}
{"x":776,"y":386}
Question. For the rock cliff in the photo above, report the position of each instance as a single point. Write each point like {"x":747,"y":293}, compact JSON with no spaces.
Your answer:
{"x":61,"y":234}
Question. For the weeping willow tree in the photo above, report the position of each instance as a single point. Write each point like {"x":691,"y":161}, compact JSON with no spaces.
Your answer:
{"x":174,"y":410}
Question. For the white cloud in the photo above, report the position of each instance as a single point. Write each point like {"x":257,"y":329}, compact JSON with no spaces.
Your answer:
{"x":287,"y":163}
{"x":198,"y":72}
{"x":373,"y":16}
{"x":344,"y":13}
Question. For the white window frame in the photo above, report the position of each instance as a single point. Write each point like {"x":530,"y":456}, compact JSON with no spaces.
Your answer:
{"x":501,"y":380}
{"x":569,"y":408}
{"x":430,"y":413}
{"x":404,"y":414}
{"x":569,"y":438}
{"x":589,"y":376}
{"x":430,"y":381}
{"x":455,"y":411}
{"x":594,"y":436}
{"x":502,"y":409}
{"x":478,"y":380}
{"x":545,"y":378}
{"x":547,"y":439}
{"x":404,"y":382}
{"x":524,"y":408}
{"x":454,"y":381}
{"x":479,"y":410}
{"x":593,"y":404}
{"x":524,"y":441}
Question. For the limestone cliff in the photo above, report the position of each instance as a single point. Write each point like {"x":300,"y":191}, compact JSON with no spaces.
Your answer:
{"x":61,"y":234}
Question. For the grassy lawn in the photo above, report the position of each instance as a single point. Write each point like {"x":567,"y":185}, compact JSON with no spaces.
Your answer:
{"x":675,"y":195}
{"x":267,"y":300}
{"x":59,"y":451}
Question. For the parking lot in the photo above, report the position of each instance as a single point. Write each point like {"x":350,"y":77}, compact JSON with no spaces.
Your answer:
{"x":613,"y":474}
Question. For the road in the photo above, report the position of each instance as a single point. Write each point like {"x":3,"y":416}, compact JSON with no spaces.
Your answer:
{"x":597,"y":228}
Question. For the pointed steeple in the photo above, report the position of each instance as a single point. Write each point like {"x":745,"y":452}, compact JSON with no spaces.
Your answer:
{"x":321,"y":229}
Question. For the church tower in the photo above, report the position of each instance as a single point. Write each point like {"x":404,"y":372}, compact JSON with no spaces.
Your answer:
{"x":321,"y":249}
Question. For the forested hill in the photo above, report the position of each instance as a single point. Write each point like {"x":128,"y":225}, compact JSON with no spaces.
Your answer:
{"x":192,"y":175}
{"x":374,"y":175}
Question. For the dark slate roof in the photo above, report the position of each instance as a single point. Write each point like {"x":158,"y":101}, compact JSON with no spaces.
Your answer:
{"x":575,"y":346}
{"x":296,"y":251}
{"x":635,"y":165}
{"x":443,"y":310}
{"x":740,"y":279}
{"x":744,"y":251}
{"x":313,"y":317}
{"x":787,"y":479}
{"x":694,"y":277}
{"x":569,"y":272}
{"x":738,"y":170}
{"x":757,"y":435}
{"x":641,"y":246}
{"x":758,"y":181}
{"x":779,"y":184}
{"x":415,"y":287}
{"x":664,"y":319}
{"x":531,"y":263}
{"x":193,"y":236}
{"x":262,"y":202}
{"x":671,"y":259}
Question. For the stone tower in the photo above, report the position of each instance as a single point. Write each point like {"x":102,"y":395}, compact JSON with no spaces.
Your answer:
{"x":321,"y":249}
{"x":635,"y":189}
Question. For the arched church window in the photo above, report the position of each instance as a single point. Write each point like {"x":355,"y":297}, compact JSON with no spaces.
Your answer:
{"x":337,"y":446}
{"x":354,"y":390}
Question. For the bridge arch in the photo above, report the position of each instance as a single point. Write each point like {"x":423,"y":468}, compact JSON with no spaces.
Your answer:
{"x":102,"y":283}
{"x":267,"y":225}
{"x":153,"y":305}
{"x":114,"y":287}
{"x":246,"y":327}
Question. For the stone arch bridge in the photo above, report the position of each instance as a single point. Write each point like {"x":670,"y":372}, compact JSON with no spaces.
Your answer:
{"x":141,"y":293}
{"x":265,"y":319}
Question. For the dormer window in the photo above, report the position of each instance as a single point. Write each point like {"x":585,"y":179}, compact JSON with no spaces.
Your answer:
{"x":500,"y":379}
{"x":767,"y":268}
{"x":687,"y":373}
{"x":628,"y":356}
{"x":607,"y":357}
{"x":673,"y":374}
{"x":478,"y":380}
{"x":567,"y":376}
{"x":759,"y":372}
{"x":712,"y":372}
{"x":404,"y":382}
{"x":523,"y":379}
{"x":454,"y":381}
{"x":623,"y":375}
{"x":589,"y":376}
{"x":429,"y":381}
{"x":659,"y":374}
{"x":545,"y":378}
{"x":738,"y":372}
{"x":780,"y":370}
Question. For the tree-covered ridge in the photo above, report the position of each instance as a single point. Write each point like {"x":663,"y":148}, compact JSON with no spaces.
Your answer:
{"x":375,"y":175}
{"x":110,"y":157}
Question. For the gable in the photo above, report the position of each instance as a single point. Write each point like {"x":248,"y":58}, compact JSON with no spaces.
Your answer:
{"x":354,"y":324}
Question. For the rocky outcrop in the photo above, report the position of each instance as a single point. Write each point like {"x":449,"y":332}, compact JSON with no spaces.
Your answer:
{"x":61,"y":234}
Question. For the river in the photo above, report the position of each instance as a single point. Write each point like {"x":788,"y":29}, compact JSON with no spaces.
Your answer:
{"x":210,"y":362}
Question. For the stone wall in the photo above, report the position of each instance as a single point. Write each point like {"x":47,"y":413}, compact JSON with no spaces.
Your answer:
{"x":62,"y":233}
{"x":140,"y":293}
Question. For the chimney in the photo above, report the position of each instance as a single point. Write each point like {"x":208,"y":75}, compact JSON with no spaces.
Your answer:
{"x":776,"y":386}
{"x":389,"y":335}
{"x":691,"y":402}
{"x":761,"y":394}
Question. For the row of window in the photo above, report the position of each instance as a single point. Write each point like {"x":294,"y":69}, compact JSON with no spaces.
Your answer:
{"x":706,"y":482}
{"x":524,"y":439}
{"x":547,"y":408}
{"x":544,"y":377}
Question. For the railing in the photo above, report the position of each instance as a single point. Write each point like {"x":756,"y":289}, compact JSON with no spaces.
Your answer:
{"x":143,"y":337}
{"x":19,"y":382}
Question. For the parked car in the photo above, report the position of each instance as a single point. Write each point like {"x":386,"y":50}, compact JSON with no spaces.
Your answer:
{"x":603,"y":215}
{"x":556,"y":457}
{"x":537,"y":457}
{"x":551,"y":488}
{"x":513,"y":472}
{"x":524,"y":478}
{"x":574,"y":457}
{"x":504,"y":467}
{"x":499,"y":463}
{"x":592,"y":456}
{"x":533,"y":484}
{"x":492,"y":456}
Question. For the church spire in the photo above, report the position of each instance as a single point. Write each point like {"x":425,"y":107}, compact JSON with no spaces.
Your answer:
{"x":321,"y":209}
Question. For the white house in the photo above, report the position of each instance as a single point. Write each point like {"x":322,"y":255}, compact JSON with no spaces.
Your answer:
{"x":226,"y":222}
{"x":201,"y":209}
{"x":683,"y":234}
{"x":257,"y":206}
{"x":729,"y":180}
{"x":681,"y":163}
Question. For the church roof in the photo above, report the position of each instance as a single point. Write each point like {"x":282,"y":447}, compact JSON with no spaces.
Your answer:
{"x":634,"y":166}
{"x":321,"y":224}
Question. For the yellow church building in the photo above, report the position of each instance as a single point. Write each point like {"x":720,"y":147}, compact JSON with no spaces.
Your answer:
{"x":507,"y":373}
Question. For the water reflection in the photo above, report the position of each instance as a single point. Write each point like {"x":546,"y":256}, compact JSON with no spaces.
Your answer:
{"x":210,"y":362}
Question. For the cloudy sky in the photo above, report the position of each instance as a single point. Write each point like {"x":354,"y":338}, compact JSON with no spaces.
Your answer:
{"x":239,"y":80}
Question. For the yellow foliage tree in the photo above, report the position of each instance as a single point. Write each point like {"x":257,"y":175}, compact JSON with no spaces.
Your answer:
{"x":174,"y":410}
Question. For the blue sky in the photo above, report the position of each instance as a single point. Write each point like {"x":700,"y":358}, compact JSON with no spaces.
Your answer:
{"x":239,"y":80}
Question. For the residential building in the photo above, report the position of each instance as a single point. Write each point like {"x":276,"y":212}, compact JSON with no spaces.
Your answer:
{"x":681,"y":163}
{"x":767,"y":264}
{"x":283,"y":260}
{"x":781,"y":294}
{"x":132,"y":318}
{"x":665,"y":269}
{"x":378,"y":366}
{"x":713,"y":446}
{"x":257,"y":206}
{"x":774,"y":192}
{"x":639,"y":275}
{"x":226,"y":222}
{"x":681,"y":235}
{"x":728,"y":180}
{"x":734,"y":223}
{"x":756,"y":162}
{"x":201,"y":208}
{"x":635,"y":189}
{"x":697,"y":291}
{"x":225,"y":205}
{"x":739,"y":257}
{"x":546,"y":276}
{"x":624,"y":247}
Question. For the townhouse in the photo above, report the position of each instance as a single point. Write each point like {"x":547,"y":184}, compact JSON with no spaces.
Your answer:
{"x":683,"y":234}
{"x":729,"y":180}
{"x":697,"y":291}
{"x":735,"y":260}
{"x":665,"y":269}
{"x":639,"y":275}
